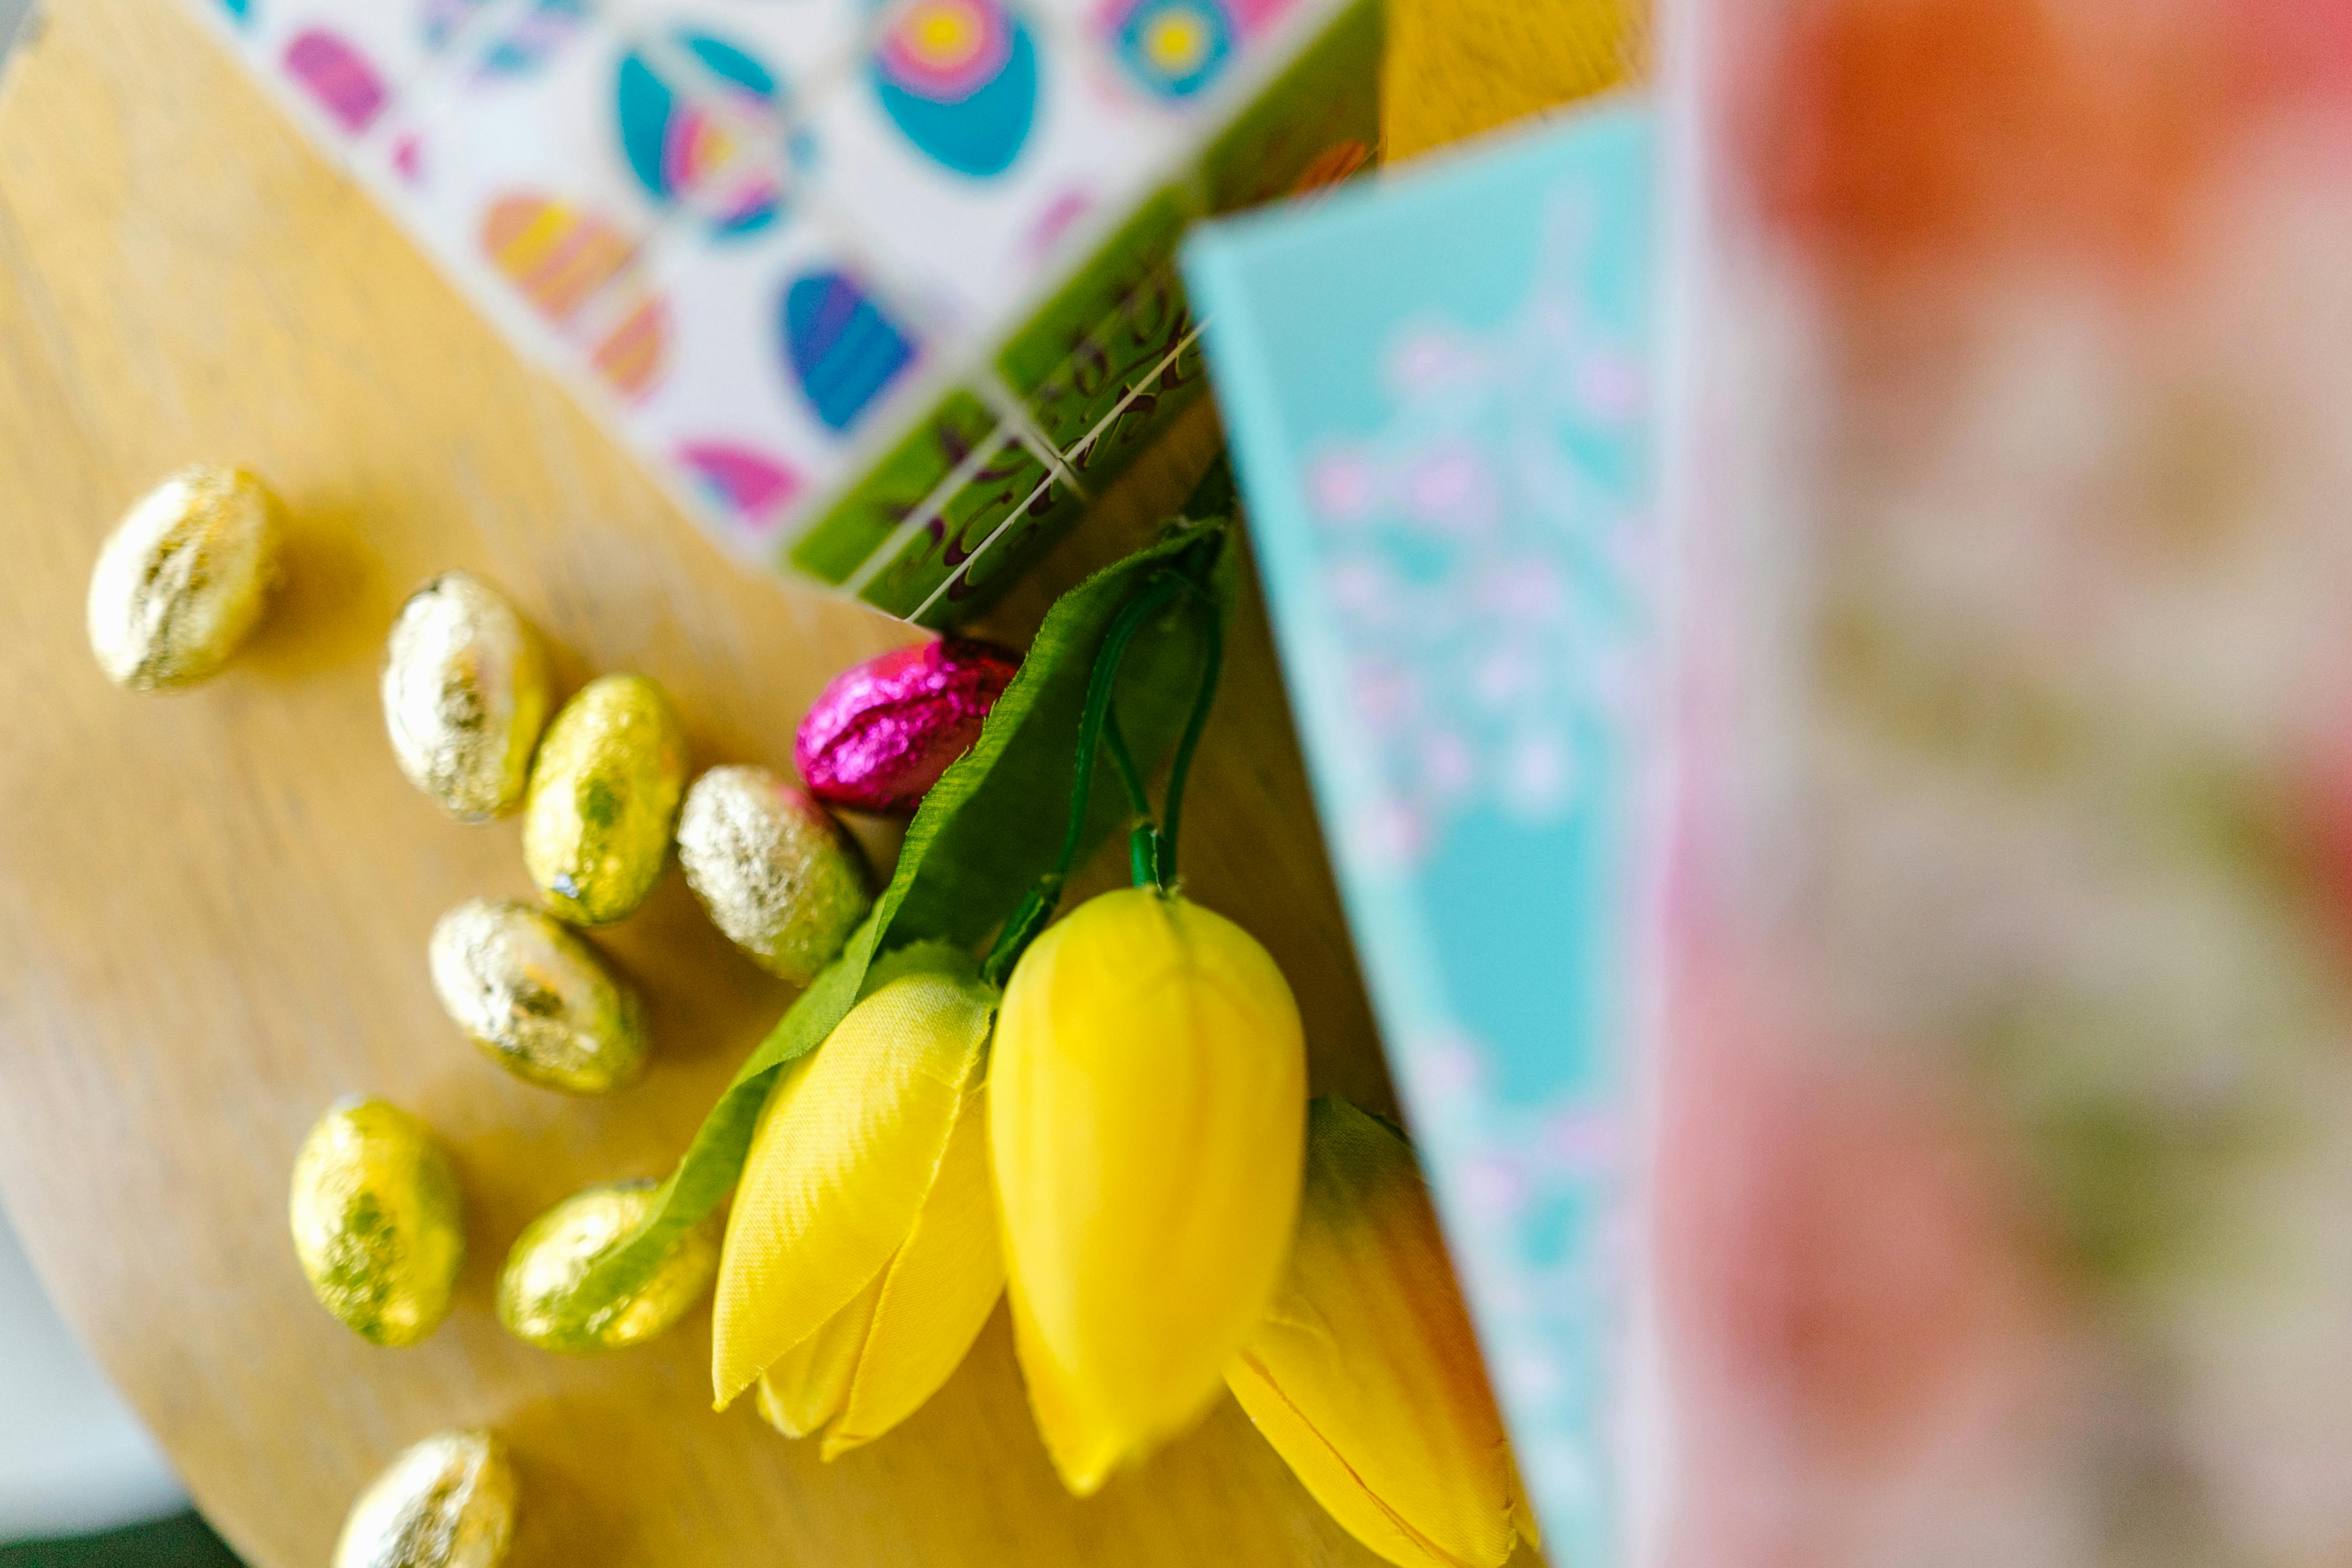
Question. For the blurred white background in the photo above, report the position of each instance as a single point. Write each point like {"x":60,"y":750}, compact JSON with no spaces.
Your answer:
{"x":72,"y":1457}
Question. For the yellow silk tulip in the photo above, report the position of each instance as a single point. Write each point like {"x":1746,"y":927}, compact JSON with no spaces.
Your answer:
{"x":1146,"y":1113}
{"x":1365,"y":1377}
{"x":861,"y":1257}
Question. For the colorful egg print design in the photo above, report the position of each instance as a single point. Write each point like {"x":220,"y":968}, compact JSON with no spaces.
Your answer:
{"x":535,"y":35}
{"x":1256,"y":15}
{"x":333,"y":74}
{"x":440,"y":21}
{"x":239,"y":11}
{"x":702,"y":125}
{"x":408,"y":157}
{"x":748,"y":485}
{"x":560,"y":257}
{"x":1174,"y":48}
{"x":630,"y":355}
{"x":958,"y":77}
{"x":843,"y":350}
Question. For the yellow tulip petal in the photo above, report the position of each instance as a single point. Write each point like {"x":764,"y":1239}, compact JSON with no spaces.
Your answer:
{"x":1326,"y":1475}
{"x":840,"y":1164}
{"x":808,"y":1385}
{"x":1523,"y":1514}
{"x":1148,"y":1112}
{"x":936,"y":1296}
{"x":1084,"y":1449}
{"x":1365,"y":1377}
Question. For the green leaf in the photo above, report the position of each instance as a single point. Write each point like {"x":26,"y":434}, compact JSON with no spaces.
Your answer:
{"x":985,"y":834}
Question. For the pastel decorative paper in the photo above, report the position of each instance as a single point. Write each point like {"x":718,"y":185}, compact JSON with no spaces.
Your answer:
{"x":1438,"y":395}
{"x":884,"y":288}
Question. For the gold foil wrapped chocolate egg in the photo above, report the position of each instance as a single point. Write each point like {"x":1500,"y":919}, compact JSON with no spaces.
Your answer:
{"x":538,"y":1289}
{"x":465,"y":696}
{"x":604,"y":793}
{"x":446,"y":1502}
{"x":183,"y":577}
{"x":537,"y":998}
{"x":377,"y":1221}
{"x":776,"y":873}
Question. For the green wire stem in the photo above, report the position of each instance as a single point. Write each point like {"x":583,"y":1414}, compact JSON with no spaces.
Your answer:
{"x":1038,"y":906}
{"x":1212,"y":664}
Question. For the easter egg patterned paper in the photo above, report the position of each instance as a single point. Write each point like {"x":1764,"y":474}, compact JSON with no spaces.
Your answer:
{"x":768,"y":238}
{"x":527,"y":41}
{"x":631,"y":356}
{"x":1257,"y":16}
{"x":959,"y":78}
{"x":1175,"y":48}
{"x":742,"y":417}
{"x":560,"y":258}
{"x":702,"y":125}
{"x":843,"y":350}
{"x":747,"y":485}
{"x":338,"y":77}
{"x":440,"y":21}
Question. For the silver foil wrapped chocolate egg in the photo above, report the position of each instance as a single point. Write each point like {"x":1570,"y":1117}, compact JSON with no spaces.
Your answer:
{"x":538,"y":1289}
{"x":775,"y":872}
{"x":604,"y":793}
{"x":377,"y":1220}
{"x":183,"y":577}
{"x":537,"y":998}
{"x":465,"y":696}
{"x":445,"y":1503}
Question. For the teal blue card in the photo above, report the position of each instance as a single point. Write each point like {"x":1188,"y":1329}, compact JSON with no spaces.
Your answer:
{"x":1437,"y":389}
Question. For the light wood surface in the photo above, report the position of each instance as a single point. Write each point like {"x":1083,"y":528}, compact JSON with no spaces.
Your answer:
{"x":214,"y":905}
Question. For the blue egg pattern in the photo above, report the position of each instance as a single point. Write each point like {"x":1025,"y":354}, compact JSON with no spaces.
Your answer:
{"x":842,"y":350}
{"x":958,"y":77}
{"x":688,"y":149}
{"x":1176,"y":48}
{"x":529,"y":40}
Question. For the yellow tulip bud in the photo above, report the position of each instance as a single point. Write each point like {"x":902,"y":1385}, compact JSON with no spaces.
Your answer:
{"x":861,"y":1258}
{"x":1148,"y":1107}
{"x":1365,"y":1377}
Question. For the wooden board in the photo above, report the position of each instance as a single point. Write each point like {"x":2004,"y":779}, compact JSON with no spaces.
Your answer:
{"x":214,"y":905}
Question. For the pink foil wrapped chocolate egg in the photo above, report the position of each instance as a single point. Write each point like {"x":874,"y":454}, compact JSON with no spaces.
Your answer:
{"x":885,"y":731}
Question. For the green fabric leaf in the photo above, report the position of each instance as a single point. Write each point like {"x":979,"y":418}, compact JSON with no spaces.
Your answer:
{"x":984,"y":834}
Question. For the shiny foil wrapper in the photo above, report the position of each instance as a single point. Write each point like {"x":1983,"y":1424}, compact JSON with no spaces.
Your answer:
{"x":604,"y":793}
{"x":885,"y":731}
{"x":183,"y":577}
{"x":378,"y":1223}
{"x":776,"y":873}
{"x":537,"y":998}
{"x":446,"y":1502}
{"x":465,"y":696}
{"x":537,"y":1289}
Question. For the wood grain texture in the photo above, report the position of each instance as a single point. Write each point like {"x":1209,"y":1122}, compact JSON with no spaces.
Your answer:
{"x":214,"y":905}
{"x":1457,"y":68}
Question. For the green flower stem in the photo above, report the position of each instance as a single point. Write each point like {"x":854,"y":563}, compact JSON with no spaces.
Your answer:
{"x":1144,"y":858}
{"x":1123,"y":761}
{"x":1038,"y":907}
{"x":1152,"y":847}
{"x":1212,"y":664}
{"x":1162,"y":587}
